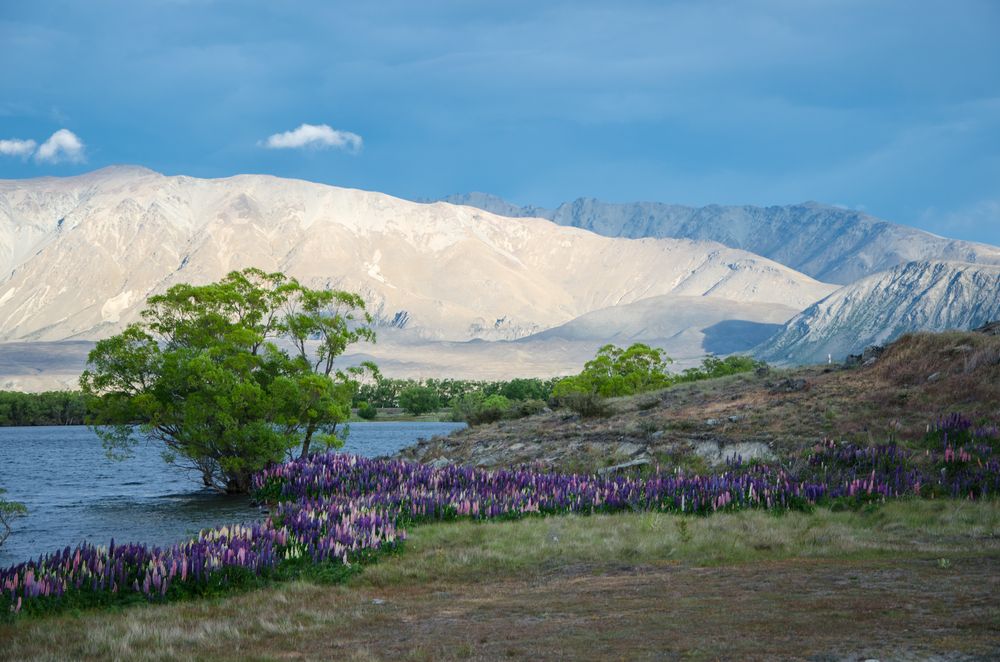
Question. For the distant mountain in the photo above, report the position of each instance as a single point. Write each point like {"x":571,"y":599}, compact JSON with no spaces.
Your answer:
{"x":81,"y":255}
{"x":831,"y":244}
{"x":684,"y":326}
{"x":919,"y":296}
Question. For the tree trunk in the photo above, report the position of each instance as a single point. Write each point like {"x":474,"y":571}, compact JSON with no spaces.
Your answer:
{"x":307,"y":440}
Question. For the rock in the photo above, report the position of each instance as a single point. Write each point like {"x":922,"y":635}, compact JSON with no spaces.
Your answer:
{"x":657,"y":435}
{"x":440,"y":463}
{"x":715,"y":454}
{"x":711,"y":422}
{"x":934,"y":377}
{"x":624,"y":465}
{"x":990,"y":328}
{"x":789,"y":385}
{"x":763,"y":371}
{"x":736,"y":417}
{"x":516,"y":447}
{"x":627,"y":448}
{"x":871,"y":354}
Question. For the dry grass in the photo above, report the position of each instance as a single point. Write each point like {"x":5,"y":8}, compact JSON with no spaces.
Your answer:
{"x":639,"y":586}
{"x":919,"y":377}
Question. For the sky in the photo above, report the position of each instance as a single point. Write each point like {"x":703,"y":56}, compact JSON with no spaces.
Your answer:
{"x":891,"y":107}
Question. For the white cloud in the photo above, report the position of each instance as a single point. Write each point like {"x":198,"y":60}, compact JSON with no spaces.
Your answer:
{"x":17,"y":147}
{"x":63,"y":145}
{"x":316,"y":136}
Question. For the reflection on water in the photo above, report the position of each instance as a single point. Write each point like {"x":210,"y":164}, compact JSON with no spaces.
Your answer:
{"x":74,"y":493}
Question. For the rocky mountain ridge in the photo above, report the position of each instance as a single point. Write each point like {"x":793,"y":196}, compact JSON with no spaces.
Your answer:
{"x":831,"y":244}
{"x":926,"y":296}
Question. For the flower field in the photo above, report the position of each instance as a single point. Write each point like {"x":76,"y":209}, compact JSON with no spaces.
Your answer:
{"x":340,"y":510}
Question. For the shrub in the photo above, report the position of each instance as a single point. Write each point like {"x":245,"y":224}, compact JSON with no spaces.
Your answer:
{"x":526,"y":408}
{"x":419,"y":400}
{"x":477,"y":409}
{"x":367,"y":411}
{"x":587,"y":405}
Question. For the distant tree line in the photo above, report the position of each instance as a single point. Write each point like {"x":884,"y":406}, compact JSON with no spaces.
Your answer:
{"x":387,"y":392}
{"x":49,"y":408}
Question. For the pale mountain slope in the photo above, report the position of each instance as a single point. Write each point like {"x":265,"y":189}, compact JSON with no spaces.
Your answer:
{"x":105,"y":241}
{"x":687,"y":328}
{"x":684,"y":326}
{"x":832,"y":244}
{"x":919,"y":296}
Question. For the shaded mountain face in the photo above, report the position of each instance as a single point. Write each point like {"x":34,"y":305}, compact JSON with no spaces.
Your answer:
{"x":82,"y":254}
{"x":831,"y":244}
{"x":919,"y":296}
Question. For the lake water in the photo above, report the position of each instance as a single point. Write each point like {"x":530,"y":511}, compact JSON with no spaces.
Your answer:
{"x":74,"y":492}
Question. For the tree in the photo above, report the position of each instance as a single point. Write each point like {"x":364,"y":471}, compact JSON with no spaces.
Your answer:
{"x":616,"y":372}
{"x":204,"y":374}
{"x":419,"y":400}
{"x":9,"y":511}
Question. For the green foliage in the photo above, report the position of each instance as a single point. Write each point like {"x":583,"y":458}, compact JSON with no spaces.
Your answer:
{"x":419,"y":400}
{"x":367,"y":411}
{"x":476,"y":409}
{"x":587,"y":404}
{"x":49,"y":408}
{"x":385,"y":392}
{"x":713,"y":367}
{"x":203,"y":374}
{"x":616,"y":372}
{"x":9,"y":511}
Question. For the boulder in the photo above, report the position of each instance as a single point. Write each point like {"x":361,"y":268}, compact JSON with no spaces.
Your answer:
{"x":990,"y":328}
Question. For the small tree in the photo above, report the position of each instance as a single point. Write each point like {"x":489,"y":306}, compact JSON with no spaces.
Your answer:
{"x":204,"y":374}
{"x":419,"y":400}
{"x":9,"y":511}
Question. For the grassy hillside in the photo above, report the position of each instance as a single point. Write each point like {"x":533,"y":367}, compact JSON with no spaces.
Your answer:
{"x":916,"y":379}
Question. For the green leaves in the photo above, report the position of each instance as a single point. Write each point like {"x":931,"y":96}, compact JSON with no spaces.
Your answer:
{"x":206,"y":373}
{"x":616,"y":372}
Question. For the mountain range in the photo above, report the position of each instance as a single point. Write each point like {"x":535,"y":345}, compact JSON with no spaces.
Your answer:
{"x":474,"y":286}
{"x":831,"y":244}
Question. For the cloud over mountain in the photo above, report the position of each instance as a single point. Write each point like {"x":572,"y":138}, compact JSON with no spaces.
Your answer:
{"x":315,"y":136}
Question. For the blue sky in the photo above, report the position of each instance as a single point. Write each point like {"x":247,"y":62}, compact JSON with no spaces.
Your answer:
{"x":891,"y":107}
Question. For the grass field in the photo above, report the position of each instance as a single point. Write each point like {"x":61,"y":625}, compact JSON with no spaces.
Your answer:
{"x":908,"y":580}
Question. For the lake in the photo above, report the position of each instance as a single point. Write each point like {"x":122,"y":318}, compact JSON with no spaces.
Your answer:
{"x":74,"y":492}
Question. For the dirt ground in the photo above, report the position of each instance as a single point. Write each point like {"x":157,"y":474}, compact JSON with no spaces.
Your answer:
{"x":788,"y":610}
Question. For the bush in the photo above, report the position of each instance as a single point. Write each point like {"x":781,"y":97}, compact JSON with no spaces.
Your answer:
{"x":419,"y":400}
{"x":526,"y":408}
{"x":477,"y":409}
{"x":712,"y":367}
{"x":587,"y":405}
{"x":367,"y":411}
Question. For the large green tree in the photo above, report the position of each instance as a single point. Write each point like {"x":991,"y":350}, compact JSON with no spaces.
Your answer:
{"x":615,"y":372}
{"x":229,"y":376}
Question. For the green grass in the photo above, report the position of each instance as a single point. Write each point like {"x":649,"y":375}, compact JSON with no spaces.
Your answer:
{"x":479,"y":562}
{"x":481,"y":551}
